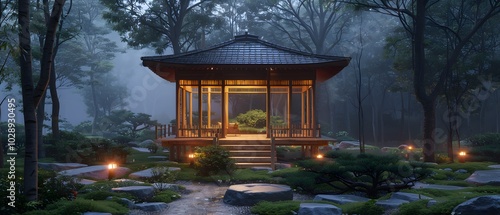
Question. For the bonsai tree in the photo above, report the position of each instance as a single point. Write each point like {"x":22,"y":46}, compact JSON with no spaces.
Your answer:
{"x":374,"y":175}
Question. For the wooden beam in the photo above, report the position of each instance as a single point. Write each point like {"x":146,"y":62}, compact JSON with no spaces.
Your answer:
{"x":289,"y":108}
{"x":224,"y":108}
{"x":200,"y":106}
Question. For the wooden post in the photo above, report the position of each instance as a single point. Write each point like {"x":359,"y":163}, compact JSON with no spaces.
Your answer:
{"x":289,"y":108}
{"x":273,"y":154}
{"x":200,"y":108}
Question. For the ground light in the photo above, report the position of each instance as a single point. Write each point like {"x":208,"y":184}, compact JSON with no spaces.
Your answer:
{"x":191,"y":159}
{"x":408,"y":153}
{"x":111,"y":170}
{"x":319,"y":156}
{"x":461,"y":156}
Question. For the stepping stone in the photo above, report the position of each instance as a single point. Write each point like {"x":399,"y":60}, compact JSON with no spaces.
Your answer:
{"x":496,"y":166}
{"x":167,"y":186}
{"x":128,"y":180}
{"x":419,"y":185}
{"x":146,"y":143}
{"x":479,"y":205}
{"x":411,"y":197}
{"x":86,"y":181}
{"x":140,"y":149}
{"x":148,"y":173}
{"x":99,"y":172}
{"x":390,"y":203}
{"x":340,"y":199}
{"x":60,"y":166}
{"x":260,"y":168}
{"x":251,"y":194}
{"x":124,"y":201}
{"x":96,"y":213}
{"x":142,"y":192}
{"x":151,"y":206}
{"x":318,"y":209}
{"x":158,"y":157}
{"x":485,"y":177}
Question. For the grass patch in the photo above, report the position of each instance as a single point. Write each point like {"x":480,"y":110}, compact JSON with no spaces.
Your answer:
{"x":103,"y":195}
{"x":80,"y":206}
{"x":166,"y":196}
{"x":469,"y":166}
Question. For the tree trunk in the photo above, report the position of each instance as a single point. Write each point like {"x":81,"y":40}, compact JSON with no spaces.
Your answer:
{"x":55,"y":106}
{"x":94,"y":98}
{"x":27,"y":87}
{"x":40,"y":118}
{"x":429,"y":128}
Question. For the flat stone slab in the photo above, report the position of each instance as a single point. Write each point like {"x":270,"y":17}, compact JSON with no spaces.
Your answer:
{"x":158,"y":157}
{"x":340,"y":199}
{"x":99,"y":172}
{"x":496,"y":166}
{"x":60,"y":166}
{"x":485,"y":177}
{"x":167,"y":186}
{"x":260,"y":168}
{"x":479,"y":205}
{"x":141,"y":192}
{"x":148,"y":173}
{"x":96,"y":213}
{"x":419,"y":185}
{"x":390,"y":203}
{"x":411,"y":197}
{"x":151,"y":206}
{"x":251,"y":194}
{"x":318,"y":209}
{"x":86,"y":181}
{"x":140,"y":149}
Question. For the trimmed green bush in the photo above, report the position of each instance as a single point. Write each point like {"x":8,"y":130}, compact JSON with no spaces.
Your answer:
{"x":253,"y":118}
{"x":211,"y":160}
{"x":79,"y":206}
{"x":166,"y":196}
{"x":363,"y":208}
{"x":276,"y":208}
{"x":485,"y":139}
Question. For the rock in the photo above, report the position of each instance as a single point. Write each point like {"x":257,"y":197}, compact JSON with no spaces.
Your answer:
{"x":390,"y":203}
{"x":141,"y":149}
{"x":151,"y":206}
{"x":141,"y":192}
{"x":411,"y":197}
{"x":485,"y":177}
{"x":431,"y":163}
{"x":479,"y":205}
{"x":158,"y":157}
{"x":129,"y":203}
{"x":251,"y":194}
{"x":60,"y":166}
{"x":283,"y":165}
{"x":341,"y":199}
{"x":496,"y":166}
{"x":86,"y":181}
{"x":96,"y":213}
{"x":448,"y":169}
{"x":128,"y":180}
{"x":259,"y":168}
{"x":431,"y":203}
{"x":148,"y":173}
{"x":99,"y":172}
{"x":419,"y":185}
{"x":318,"y":209}
{"x":146,"y":143}
{"x":462,"y":171}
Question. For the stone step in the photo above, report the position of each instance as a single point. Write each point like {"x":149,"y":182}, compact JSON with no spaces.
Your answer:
{"x":244,"y":142}
{"x":250,"y":165}
{"x":254,"y":153}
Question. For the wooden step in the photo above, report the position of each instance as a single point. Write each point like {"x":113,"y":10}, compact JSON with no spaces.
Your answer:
{"x":248,"y":153}
{"x":250,"y":165}
{"x":252,"y":159}
{"x":246,"y":147}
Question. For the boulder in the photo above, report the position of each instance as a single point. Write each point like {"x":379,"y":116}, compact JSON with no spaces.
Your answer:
{"x":86,"y":181}
{"x":419,"y":185}
{"x":485,"y":177}
{"x":99,"y":172}
{"x":142,"y":192}
{"x":141,"y":149}
{"x":479,"y":205}
{"x":461,"y":171}
{"x":496,"y":166}
{"x":151,"y":206}
{"x":341,"y":199}
{"x":167,"y":186}
{"x":148,"y":173}
{"x":124,"y":201}
{"x":318,"y":209}
{"x":251,"y":194}
{"x":60,"y":166}
{"x":448,"y":169}
{"x":261,"y":168}
{"x":146,"y":143}
{"x":158,"y":157}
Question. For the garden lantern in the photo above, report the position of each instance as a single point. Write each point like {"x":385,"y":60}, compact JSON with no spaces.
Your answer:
{"x":319,"y":156}
{"x":191,"y":159}
{"x":461,"y":156}
{"x":111,"y":170}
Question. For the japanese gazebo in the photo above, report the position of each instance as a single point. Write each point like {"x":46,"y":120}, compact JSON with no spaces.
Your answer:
{"x":206,"y":79}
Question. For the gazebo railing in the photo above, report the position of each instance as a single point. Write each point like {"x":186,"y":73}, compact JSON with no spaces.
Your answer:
{"x":188,"y":131}
{"x":295,"y":130}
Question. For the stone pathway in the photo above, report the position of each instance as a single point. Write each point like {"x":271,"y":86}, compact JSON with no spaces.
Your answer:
{"x":204,"y":199}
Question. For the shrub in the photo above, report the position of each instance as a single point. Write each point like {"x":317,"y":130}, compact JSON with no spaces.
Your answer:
{"x":210,"y":160}
{"x":485,"y":139}
{"x":153,"y":148}
{"x":80,"y":206}
{"x":484,"y":153}
{"x":54,"y":187}
{"x":161,"y":175}
{"x":374,"y":175}
{"x":253,"y":118}
{"x":365,"y":208}
{"x":103,"y":195}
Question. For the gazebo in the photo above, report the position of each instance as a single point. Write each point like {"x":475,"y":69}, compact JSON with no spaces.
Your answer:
{"x":208,"y":80}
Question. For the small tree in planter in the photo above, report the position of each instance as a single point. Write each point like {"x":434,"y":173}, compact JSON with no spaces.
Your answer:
{"x":374,"y":175}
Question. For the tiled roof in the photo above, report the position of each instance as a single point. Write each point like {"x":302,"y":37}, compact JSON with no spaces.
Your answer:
{"x":245,"y":50}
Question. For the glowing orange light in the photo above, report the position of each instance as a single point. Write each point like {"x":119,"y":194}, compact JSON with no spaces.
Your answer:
{"x":112,"y":166}
{"x":410,"y":147}
{"x":191,"y":155}
{"x":462,"y":153}
{"x":319,"y":156}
